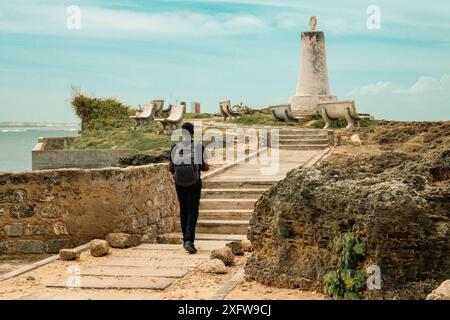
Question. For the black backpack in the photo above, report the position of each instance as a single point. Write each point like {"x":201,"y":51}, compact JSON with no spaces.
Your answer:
{"x":187,"y":174}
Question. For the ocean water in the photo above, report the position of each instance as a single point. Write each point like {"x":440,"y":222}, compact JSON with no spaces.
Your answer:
{"x":16,"y":145}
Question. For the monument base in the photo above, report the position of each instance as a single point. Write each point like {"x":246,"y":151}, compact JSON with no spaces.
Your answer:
{"x":308,"y":103}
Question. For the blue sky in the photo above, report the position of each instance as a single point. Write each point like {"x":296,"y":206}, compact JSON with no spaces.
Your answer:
{"x":205,"y":50}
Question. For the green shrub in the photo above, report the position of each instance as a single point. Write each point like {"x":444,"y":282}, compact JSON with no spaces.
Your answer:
{"x":346,"y":281}
{"x":97,"y":114}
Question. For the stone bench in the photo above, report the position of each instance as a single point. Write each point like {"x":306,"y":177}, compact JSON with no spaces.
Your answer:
{"x":174,"y":120}
{"x":345,"y":109}
{"x":282,"y":113}
{"x":227,"y":111}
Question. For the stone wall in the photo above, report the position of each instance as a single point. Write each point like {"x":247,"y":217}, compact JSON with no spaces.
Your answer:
{"x":84,"y":159}
{"x":44,"y":211}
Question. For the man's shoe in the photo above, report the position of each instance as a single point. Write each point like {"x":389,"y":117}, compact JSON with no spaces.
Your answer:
{"x":189,"y":246}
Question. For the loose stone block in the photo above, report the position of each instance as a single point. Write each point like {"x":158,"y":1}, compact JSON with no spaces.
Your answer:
{"x":20,"y":211}
{"x":14,"y":230}
{"x":53,"y":246}
{"x":236,"y":248}
{"x":123,"y":240}
{"x":69,"y":254}
{"x":224,"y":254}
{"x":213,"y":266}
{"x":30,"y":246}
{"x":99,"y":248}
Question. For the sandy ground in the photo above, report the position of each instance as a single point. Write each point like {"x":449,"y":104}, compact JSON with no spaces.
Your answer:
{"x":9,"y":263}
{"x":196,"y":285}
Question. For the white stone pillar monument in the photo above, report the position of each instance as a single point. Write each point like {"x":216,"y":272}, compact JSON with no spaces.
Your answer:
{"x":313,"y":85}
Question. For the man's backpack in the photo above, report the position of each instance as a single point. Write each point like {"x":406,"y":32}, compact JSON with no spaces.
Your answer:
{"x":187,"y":174}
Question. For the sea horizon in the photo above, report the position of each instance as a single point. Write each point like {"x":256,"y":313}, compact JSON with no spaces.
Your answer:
{"x":17,"y":139}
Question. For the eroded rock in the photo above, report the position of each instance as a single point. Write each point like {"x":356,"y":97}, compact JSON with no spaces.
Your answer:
{"x":69,"y":254}
{"x":213,"y":266}
{"x":123,"y":240}
{"x":224,"y":254}
{"x":99,"y":248}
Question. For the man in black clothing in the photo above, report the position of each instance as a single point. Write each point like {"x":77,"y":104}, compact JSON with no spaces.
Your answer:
{"x":186,"y":159}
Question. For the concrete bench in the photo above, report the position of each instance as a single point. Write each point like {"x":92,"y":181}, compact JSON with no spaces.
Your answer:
{"x":282,"y":113}
{"x":174,"y":120}
{"x":159,"y":106}
{"x":333,"y":110}
{"x":227,"y":111}
{"x":146,"y":115}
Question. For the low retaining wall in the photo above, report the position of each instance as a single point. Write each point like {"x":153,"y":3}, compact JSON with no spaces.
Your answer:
{"x":53,"y":153}
{"x":44,"y":211}
{"x":84,"y":159}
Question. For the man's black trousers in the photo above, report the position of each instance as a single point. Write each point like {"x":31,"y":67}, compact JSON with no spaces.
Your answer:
{"x":189,"y":198}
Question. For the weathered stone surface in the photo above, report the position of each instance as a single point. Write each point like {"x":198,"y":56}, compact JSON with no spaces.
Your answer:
{"x":13,"y":196}
{"x":30,"y":246}
{"x":213,"y":266}
{"x":21,"y":211}
{"x":60,"y":228}
{"x":14,"y":230}
{"x":55,"y":245}
{"x":99,"y":248}
{"x":7,"y":247}
{"x":69,"y":254}
{"x":236,"y":248}
{"x":150,"y":235}
{"x":247,"y":246}
{"x":441,"y":293}
{"x":389,"y":200}
{"x":51,"y":211}
{"x":80,"y":204}
{"x":123,"y":240}
{"x":224,"y":254}
{"x":35,"y":230}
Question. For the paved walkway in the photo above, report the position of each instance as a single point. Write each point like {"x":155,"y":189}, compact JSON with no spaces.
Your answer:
{"x":229,"y":196}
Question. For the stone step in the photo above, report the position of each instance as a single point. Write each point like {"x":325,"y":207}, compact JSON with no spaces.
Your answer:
{"x":303,"y":137}
{"x":220,"y":226}
{"x":302,"y":132}
{"x":302,"y":141}
{"x":215,"y":184}
{"x":212,"y":204}
{"x":243,"y":214}
{"x":303,"y":146}
{"x":232,"y":193}
{"x":177,"y":237}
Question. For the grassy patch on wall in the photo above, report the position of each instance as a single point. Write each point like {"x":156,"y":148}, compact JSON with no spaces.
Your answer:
{"x":143,"y":141}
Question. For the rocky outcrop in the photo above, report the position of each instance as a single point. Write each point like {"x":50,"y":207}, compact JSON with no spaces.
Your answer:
{"x":397,"y":203}
{"x":441,"y":293}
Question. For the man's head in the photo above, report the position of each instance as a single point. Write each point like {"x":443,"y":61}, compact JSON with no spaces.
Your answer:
{"x":189,"y":127}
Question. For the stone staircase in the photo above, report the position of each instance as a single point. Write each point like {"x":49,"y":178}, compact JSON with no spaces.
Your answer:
{"x":228,"y":199}
{"x":305,"y":139}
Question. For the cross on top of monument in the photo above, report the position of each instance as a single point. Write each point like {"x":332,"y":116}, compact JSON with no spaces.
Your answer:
{"x":313,"y":23}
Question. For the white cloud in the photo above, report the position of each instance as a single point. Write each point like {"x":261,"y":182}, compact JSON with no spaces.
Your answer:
{"x":96,"y":21}
{"x":430,"y":84}
{"x":423,"y":85}
{"x":373,"y":89}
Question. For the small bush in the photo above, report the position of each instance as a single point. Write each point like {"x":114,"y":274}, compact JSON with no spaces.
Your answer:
{"x":346,"y":281}
{"x":97,"y":114}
